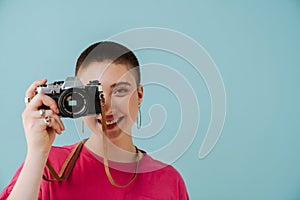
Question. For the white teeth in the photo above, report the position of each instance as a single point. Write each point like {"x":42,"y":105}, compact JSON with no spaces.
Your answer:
{"x":111,"y":122}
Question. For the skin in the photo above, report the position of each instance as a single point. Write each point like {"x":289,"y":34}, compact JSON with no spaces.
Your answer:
{"x":39,"y":139}
{"x":123,"y":98}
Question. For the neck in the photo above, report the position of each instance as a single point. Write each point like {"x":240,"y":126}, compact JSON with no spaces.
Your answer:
{"x":122,"y":150}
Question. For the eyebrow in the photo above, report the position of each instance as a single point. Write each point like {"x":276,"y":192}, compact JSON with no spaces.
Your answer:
{"x":120,"y":83}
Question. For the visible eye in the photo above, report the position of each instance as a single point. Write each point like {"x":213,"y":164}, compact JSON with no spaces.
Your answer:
{"x":120,"y":91}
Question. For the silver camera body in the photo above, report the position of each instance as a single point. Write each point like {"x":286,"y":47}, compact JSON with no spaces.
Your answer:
{"x":73,"y":98}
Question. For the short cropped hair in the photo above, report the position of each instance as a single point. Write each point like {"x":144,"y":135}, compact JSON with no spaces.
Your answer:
{"x":109,"y":51}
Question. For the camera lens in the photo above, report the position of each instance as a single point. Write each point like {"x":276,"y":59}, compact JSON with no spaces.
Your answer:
{"x":73,"y":103}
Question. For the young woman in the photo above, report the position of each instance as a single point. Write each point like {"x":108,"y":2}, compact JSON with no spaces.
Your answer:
{"x":105,"y":166}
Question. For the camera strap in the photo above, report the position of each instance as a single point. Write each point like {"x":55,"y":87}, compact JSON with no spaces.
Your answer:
{"x":104,"y":145}
{"x":70,"y":161}
{"x":68,"y":165}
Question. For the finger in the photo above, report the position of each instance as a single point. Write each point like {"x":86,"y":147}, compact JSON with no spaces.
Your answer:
{"x":51,"y":124}
{"x":57,"y":126}
{"x":48,"y":113}
{"x":38,"y":114}
{"x":42,"y":99}
{"x":58,"y":120}
{"x":32,"y":88}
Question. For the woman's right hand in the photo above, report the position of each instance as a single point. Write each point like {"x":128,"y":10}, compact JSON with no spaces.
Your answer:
{"x":40,"y":135}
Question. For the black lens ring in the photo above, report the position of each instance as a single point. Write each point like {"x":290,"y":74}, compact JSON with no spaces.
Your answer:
{"x":61,"y":102}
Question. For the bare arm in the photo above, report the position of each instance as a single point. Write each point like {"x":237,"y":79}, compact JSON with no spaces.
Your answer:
{"x":39,"y":138}
{"x":29,"y":180}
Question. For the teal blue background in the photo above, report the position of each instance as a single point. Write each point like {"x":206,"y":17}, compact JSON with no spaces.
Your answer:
{"x":255,"y":45}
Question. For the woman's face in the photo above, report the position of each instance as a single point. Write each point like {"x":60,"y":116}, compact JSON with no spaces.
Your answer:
{"x":122,"y":97}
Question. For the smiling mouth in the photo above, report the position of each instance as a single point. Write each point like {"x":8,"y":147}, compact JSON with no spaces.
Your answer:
{"x":112,"y":123}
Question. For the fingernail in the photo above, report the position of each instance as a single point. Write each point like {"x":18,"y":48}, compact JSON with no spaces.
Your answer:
{"x":57,"y":110}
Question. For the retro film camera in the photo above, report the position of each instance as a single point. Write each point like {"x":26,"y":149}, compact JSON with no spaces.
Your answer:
{"x":73,"y":98}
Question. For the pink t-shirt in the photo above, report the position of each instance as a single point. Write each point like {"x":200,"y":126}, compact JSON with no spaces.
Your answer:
{"x":88,"y":179}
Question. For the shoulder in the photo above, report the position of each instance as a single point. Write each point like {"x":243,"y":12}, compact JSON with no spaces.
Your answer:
{"x":157,"y":175}
{"x":59,"y":154}
{"x":158,"y":168}
{"x":61,"y":149}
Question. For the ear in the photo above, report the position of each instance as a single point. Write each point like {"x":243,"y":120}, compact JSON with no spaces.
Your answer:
{"x":140,"y":91}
